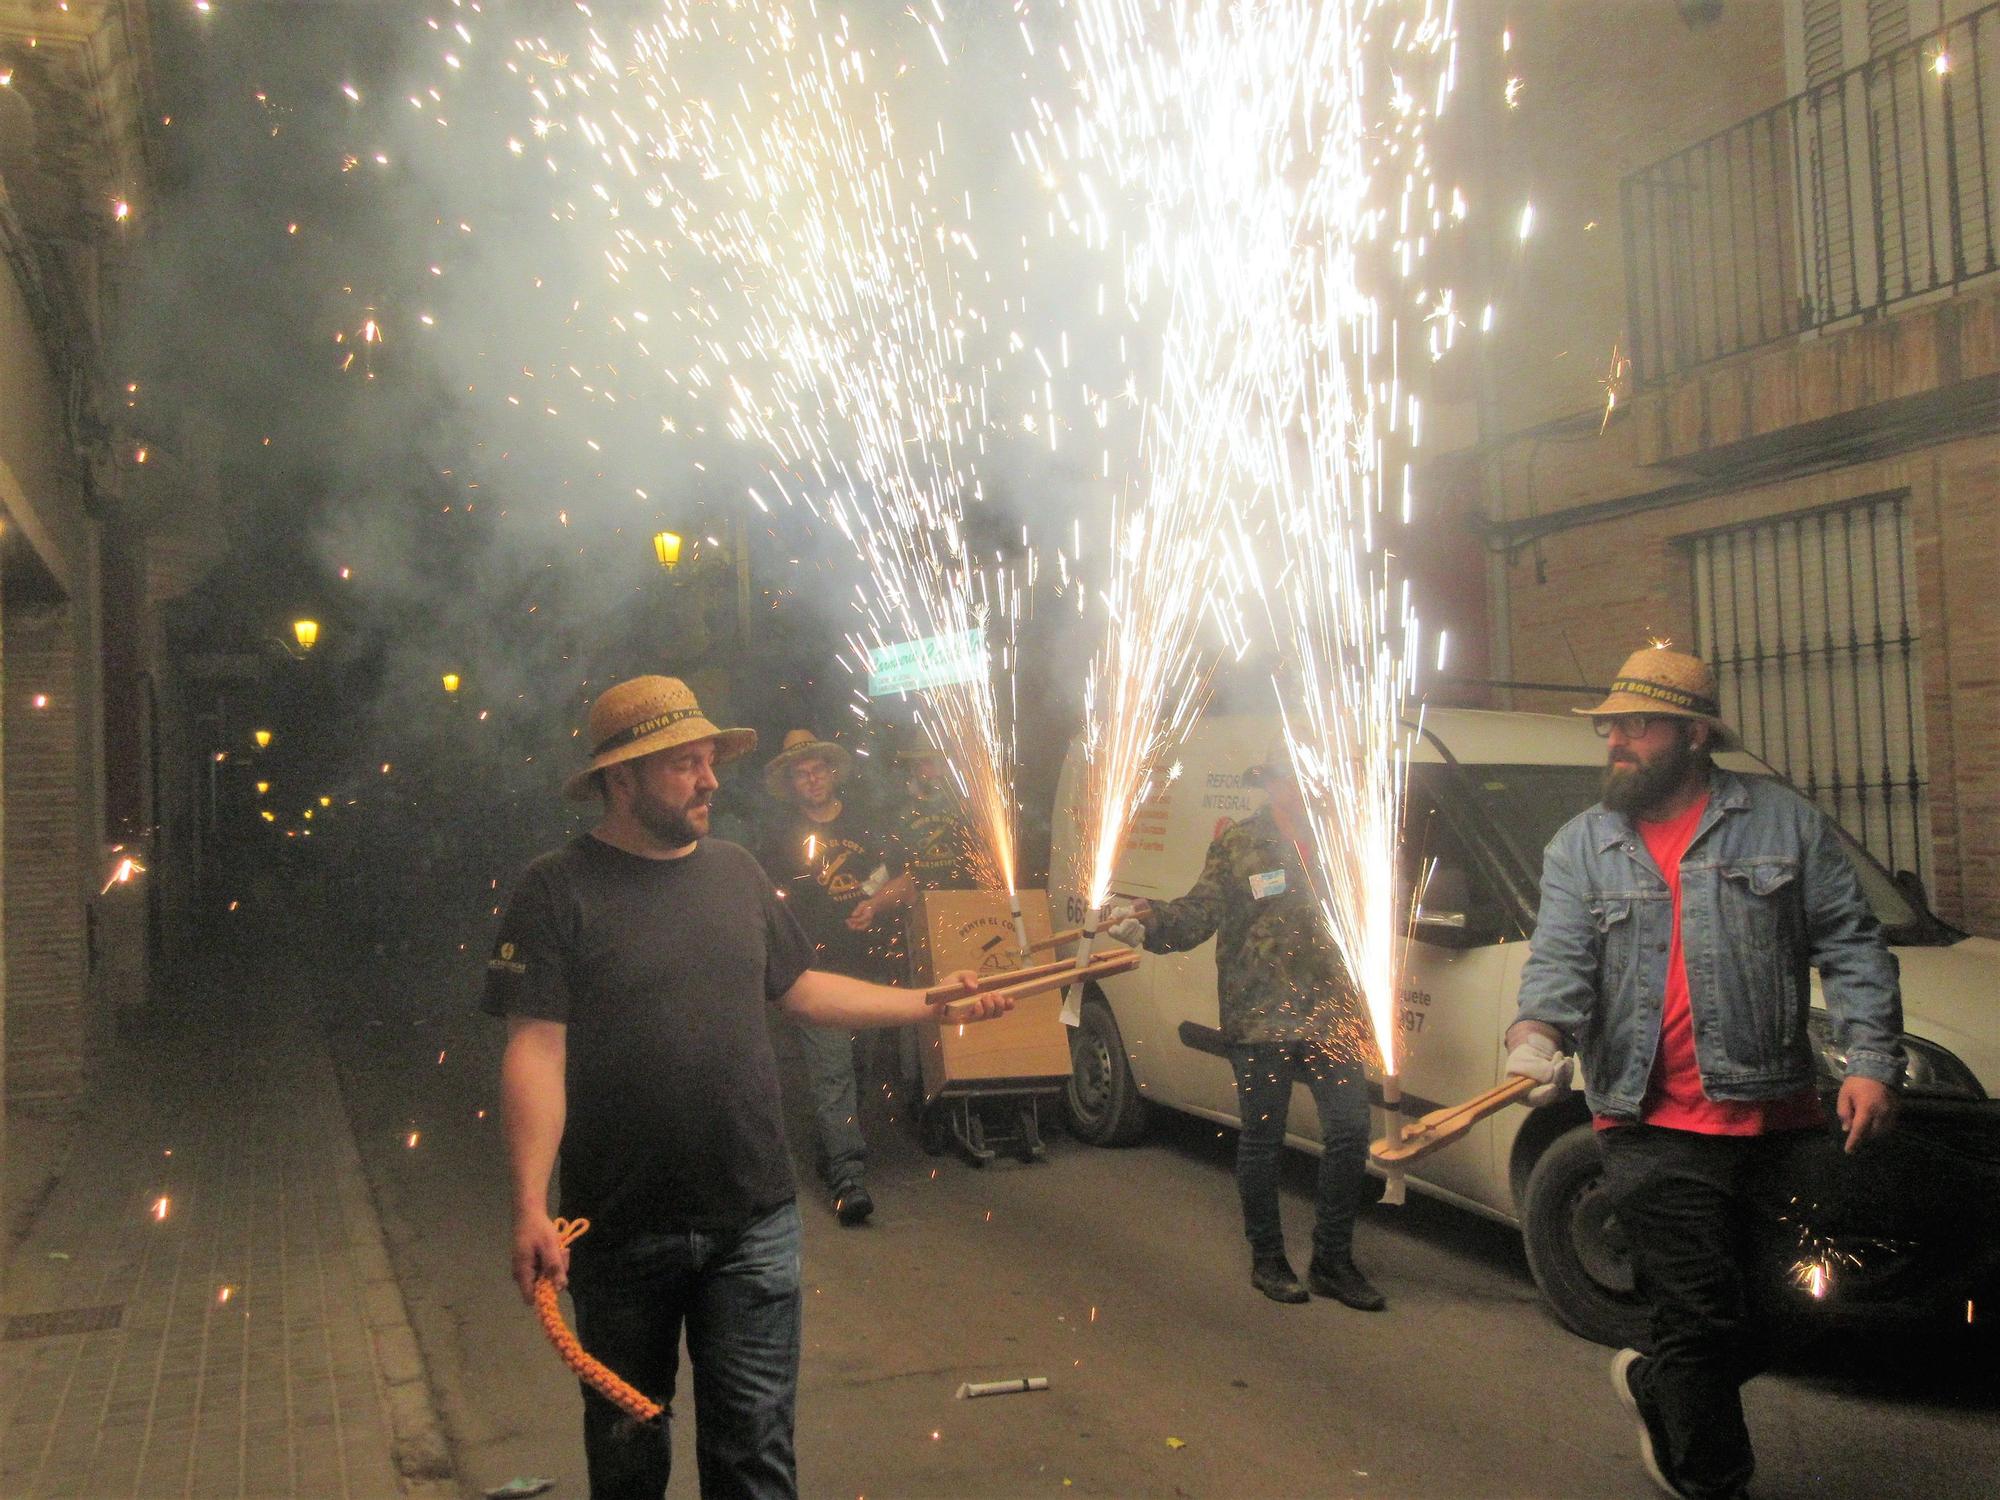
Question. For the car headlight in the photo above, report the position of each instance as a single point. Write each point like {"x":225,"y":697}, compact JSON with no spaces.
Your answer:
{"x":1933,"y":1070}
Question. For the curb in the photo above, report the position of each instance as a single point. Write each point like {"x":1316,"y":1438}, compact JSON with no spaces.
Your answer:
{"x":421,"y":1451}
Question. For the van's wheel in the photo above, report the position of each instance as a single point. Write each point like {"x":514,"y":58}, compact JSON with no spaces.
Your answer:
{"x":1101,"y":1104}
{"x":1575,"y":1247}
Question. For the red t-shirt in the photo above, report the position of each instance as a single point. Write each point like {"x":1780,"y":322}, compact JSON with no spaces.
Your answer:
{"x":1674,"y":1096}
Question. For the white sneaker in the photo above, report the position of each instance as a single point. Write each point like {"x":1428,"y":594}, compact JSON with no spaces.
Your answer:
{"x":1649,"y":1458}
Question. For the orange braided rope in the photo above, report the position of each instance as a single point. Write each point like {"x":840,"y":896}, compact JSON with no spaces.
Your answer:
{"x":594,"y":1373}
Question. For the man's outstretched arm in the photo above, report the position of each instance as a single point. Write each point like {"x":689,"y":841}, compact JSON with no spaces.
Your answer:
{"x":534,"y":1105}
{"x":827,"y":999}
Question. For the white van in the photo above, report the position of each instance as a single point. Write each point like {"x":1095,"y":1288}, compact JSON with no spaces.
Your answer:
{"x":1487,"y":791}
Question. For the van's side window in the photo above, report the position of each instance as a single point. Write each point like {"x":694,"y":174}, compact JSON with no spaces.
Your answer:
{"x":1458,"y":908}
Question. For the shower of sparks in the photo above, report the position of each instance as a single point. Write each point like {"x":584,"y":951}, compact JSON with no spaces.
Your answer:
{"x":783,"y":257}
{"x":1289,"y":204}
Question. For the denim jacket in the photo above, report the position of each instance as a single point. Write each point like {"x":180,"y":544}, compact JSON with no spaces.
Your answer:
{"x":1766,"y":890}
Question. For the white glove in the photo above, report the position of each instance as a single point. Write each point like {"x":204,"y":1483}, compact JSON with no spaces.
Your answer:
{"x":1537,"y":1058}
{"x":1122,"y":924}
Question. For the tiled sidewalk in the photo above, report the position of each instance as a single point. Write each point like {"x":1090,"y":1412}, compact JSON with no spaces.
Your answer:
{"x":205,"y":1308}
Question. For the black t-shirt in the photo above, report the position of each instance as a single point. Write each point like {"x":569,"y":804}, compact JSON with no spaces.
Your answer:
{"x":940,"y":850}
{"x":823,"y":869}
{"x":661,"y":970}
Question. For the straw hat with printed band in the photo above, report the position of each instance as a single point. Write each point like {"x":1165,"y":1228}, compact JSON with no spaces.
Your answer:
{"x":1666,"y":684}
{"x":646,"y":714}
{"x":803,"y":744}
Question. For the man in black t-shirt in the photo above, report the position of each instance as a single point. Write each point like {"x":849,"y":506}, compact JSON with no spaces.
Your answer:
{"x":836,"y":869}
{"x":634,"y":967}
{"x":941,"y":849}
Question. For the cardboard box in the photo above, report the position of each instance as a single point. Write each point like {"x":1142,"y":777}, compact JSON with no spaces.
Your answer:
{"x":974,"y":930}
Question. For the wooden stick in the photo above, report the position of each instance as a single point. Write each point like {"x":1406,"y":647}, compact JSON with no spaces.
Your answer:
{"x":1443,"y":1126}
{"x":939,"y":994}
{"x":1056,"y":939}
{"x":1027,"y":982}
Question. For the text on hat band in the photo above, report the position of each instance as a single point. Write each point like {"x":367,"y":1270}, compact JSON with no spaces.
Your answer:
{"x":645,"y":727}
{"x":1662,"y":693}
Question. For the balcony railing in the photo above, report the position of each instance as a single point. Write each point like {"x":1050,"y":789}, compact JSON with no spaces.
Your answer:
{"x":1868,"y":189}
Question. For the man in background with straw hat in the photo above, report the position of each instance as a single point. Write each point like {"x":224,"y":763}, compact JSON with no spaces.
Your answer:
{"x":834,"y":866}
{"x":1678,"y":920}
{"x":941,"y":851}
{"x":635,"y":966}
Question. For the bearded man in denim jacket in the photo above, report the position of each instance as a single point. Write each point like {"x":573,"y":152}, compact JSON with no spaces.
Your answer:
{"x":1679,"y":920}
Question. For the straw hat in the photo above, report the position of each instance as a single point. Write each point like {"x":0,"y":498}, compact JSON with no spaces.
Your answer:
{"x":803,"y":744}
{"x":1665,"y":683}
{"x":644,"y":714}
{"x":913,"y":745}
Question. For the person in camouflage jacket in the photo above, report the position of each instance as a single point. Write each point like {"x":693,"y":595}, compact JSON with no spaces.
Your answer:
{"x":1289,"y":1015}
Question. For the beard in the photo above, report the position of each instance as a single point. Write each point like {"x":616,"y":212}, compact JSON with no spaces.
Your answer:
{"x":1634,"y":788}
{"x":674,"y":827}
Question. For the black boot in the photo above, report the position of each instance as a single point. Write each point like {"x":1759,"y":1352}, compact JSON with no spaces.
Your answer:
{"x":1342,"y":1282}
{"x":851,"y":1203}
{"x":1272,"y":1275}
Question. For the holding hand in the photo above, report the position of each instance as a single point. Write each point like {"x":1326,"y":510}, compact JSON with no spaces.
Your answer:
{"x":1536,"y":1056}
{"x":863,"y":915}
{"x":538,"y":1250}
{"x":1126,"y":923}
{"x":975,"y":1006}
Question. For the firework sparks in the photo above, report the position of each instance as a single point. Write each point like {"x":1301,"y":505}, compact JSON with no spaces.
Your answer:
{"x":1288,"y":208}
{"x":794,"y":242}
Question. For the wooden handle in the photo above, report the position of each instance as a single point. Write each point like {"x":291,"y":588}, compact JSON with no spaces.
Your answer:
{"x":1441,"y":1127}
{"x":1114,"y":960}
{"x":1056,"y":939}
{"x":954,"y":1004}
{"x":939,"y":994}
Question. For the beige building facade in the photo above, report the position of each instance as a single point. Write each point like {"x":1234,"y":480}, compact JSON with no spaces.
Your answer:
{"x":1743,"y":385}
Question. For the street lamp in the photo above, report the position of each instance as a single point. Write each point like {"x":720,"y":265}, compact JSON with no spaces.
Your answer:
{"x":667,"y":548}
{"x":451,"y":682}
{"x":262,"y":737}
{"x":306,"y":632}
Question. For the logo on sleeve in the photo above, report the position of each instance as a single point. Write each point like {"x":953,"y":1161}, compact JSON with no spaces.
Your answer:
{"x":504,"y":961}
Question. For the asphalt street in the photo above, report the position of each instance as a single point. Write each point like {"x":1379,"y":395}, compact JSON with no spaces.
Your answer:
{"x":1121,"y":1276}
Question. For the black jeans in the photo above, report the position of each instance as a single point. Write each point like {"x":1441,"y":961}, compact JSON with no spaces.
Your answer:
{"x":1700,"y":1215}
{"x":1265,"y":1074}
{"x":738,"y":1295}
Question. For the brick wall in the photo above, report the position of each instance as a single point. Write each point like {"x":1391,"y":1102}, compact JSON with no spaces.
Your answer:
{"x":43,"y":899}
{"x":1583,"y":597}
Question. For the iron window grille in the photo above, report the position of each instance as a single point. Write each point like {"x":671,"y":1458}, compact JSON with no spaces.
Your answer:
{"x":1810,"y":622}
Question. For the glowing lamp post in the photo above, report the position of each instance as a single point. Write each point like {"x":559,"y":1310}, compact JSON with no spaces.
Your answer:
{"x":306,"y":632}
{"x":263,"y":788}
{"x":262,"y":737}
{"x":667,"y":549}
{"x":450,"y":680}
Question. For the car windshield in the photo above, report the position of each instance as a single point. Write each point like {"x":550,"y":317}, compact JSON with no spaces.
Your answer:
{"x":1529,"y":803}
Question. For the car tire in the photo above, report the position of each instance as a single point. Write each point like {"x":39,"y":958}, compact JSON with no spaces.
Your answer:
{"x":1574,"y":1247}
{"x":1101,"y":1104}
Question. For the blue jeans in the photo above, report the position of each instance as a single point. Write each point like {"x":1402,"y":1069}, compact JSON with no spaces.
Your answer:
{"x":1265,"y":1074}
{"x":738,"y":1295}
{"x":829,"y":1058}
